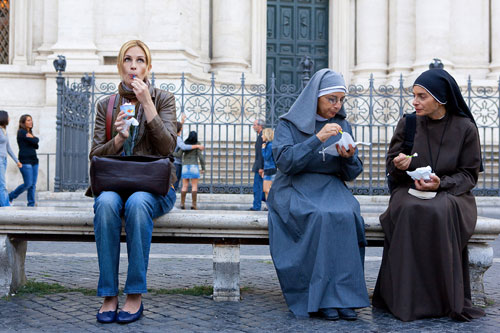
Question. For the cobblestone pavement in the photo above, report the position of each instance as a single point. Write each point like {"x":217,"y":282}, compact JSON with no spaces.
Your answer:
{"x":262,"y":307}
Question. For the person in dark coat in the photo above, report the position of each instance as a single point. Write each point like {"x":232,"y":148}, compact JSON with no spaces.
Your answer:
{"x":424,"y":271}
{"x":28,"y":144}
{"x":258,"y":166}
{"x":316,"y":232}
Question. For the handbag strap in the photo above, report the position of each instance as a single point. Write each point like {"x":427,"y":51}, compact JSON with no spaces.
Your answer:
{"x":109,"y":116}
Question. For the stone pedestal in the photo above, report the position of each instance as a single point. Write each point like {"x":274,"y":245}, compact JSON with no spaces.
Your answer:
{"x":480,"y":259}
{"x":12,"y":256}
{"x":226,"y":272}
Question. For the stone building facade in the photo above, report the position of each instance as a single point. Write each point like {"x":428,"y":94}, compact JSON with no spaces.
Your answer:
{"x":229,"y":37}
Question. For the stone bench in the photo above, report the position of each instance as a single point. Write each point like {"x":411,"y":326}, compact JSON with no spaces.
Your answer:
{"x":225,"y":230}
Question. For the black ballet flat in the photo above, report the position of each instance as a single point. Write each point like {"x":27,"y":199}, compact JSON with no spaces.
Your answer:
{"x":107,"y":317}
{"x":347,"y":314}
{"x":125,"y":317}
{"x":329,"y":313}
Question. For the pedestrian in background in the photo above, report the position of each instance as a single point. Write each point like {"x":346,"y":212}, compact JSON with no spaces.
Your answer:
{"x":28,"y":144}
{"x":267,"y":155}
{"x":258,"y":166}
{"x":4,"y":150}
{"x":184,"y":147}
{"x":190,"y":169}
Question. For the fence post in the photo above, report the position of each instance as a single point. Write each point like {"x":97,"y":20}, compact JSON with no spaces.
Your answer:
{"x":469,"y":92}
{"x":212,"y":111}
{"x":272,"y":108}
{"x":498,"y":145}
{"x":60,"y":66}
{"x":92,"y":107}
{"x":370,"y":131}
{"x":401,"y":91}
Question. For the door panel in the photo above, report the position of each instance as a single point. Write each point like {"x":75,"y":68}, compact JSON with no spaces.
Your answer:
{"x":295,"y":28}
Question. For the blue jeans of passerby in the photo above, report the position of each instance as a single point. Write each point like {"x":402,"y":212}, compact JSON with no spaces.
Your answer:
{"x":4,"y":196}
{"x":257,"y":191}
{"x":178,"y":174}
{"x":30,"y":176}
{"x":138,"y":210}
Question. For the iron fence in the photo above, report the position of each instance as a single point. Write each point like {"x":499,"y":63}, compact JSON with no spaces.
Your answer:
{"x":223,"y":114}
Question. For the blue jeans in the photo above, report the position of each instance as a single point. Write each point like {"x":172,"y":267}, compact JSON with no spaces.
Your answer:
{"x":138,"y":210}
{"x":257,"y":191}
{"x":178,"y":174}
{"x":4,"y":196}
{"x":30,"y":175}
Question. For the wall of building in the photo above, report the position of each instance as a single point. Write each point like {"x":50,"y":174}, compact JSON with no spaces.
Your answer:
{"x":403,"y":36}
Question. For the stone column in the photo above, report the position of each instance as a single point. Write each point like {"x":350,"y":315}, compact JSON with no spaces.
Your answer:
{"x":226,"y":272}
{"x":22,"y":34}
{"x":259,"y":8}
{"x":470,"y":38}
{"x":339,"y":38}
{"x":75,"y":33}
{"x":401,"y":37}
{"x":49,"y":34}
{"x":371,"y":38}
{"x":12,"y":257}
{"x":495,"y":38}
{"x":231,"y":35}
{"x":432,"y":19}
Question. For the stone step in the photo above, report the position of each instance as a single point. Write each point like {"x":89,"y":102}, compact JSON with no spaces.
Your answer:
{"x":486,"y":206}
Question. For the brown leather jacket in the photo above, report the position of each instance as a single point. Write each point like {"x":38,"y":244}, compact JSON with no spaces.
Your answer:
{"x":156,"y":138}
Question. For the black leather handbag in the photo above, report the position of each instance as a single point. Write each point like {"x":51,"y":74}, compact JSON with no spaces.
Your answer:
{"x":128,"y":174}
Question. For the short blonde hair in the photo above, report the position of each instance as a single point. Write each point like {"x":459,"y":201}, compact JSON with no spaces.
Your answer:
{"x":125,"y":47}
{"x":268,"y":134}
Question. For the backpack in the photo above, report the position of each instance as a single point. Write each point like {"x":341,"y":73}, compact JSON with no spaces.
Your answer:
{"x":410,"y":128}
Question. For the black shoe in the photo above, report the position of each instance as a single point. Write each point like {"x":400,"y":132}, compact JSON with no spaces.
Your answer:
{"x":253,"y":209}
{"x":329,"y":313}
{"x":107,"y":317}
{"x":347,"y":314}
{"x":127,"y":317}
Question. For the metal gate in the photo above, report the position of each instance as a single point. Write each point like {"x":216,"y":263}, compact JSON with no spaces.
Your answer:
{"x":73,"y":111}
{"x":295,"y":29}
{"x":223,"y":114}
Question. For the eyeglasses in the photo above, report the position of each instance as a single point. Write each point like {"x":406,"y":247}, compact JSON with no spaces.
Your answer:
{"x":334,"y":100}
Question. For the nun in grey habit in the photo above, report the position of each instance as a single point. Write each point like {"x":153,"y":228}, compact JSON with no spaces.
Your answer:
{"x":316,"y":232}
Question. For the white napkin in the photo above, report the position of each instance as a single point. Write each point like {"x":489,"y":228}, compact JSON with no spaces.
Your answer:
{"x":421,"y":173}
{"x":344,"y":141}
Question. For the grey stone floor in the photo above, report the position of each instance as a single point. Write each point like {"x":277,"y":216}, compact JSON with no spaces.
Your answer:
{"x":262,"y":307}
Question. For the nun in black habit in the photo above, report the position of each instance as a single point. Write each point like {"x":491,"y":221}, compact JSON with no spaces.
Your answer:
{"x":316,"y":232}
{"x":424,"y":270}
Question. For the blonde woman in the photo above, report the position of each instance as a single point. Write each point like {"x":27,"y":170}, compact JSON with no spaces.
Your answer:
{"x":155,"y":135}
{"x":269,"y":164}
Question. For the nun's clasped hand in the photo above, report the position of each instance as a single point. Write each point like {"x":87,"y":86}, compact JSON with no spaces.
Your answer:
{"x":328,"y":131}
{"x":345,"y":153}
{"x":428,"y":185}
